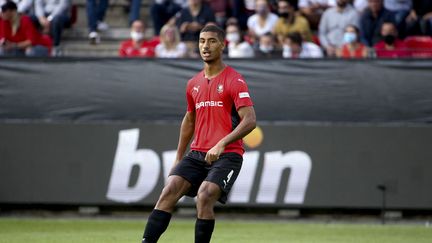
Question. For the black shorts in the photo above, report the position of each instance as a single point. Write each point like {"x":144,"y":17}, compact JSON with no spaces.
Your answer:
{"x":222,"y":172}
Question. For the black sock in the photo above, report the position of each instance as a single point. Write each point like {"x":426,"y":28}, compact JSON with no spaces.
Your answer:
{"x":157,"y":223}
{"x":203,"y":230}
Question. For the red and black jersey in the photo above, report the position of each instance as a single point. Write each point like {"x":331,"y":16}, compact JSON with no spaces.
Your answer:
{"x":216,"y":102}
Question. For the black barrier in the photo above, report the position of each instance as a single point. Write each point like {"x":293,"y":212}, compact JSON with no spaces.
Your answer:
{"x":103,"y":131}
{"x":311,"y":166}
{"x":283,"y":90}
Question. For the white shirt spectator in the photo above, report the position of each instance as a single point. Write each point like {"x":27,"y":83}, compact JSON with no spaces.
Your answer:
{"x":179,"y":52}
{"x":309,"y":50}
{"x":333,"y":23}
{"x":241,"y":50}
{"x":51,"y":7}
{"x":308,"y":3}
{"x":253,"y":24}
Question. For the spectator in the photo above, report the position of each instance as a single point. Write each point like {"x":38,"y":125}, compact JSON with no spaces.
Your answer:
{"x":52,"y":16}
{"x":371,"y":21}
{"x":161,"y":12}
{"x":267,"y":47}
{"x":295,"y":47}
{"x":401,"y":9}
{"x":24,"y":6}
{"x":237,"y":47}
{"x":421,"y":15}
{"x":191,"y":20}
{"x":290,"y":22}
{"x":352,"y":47}
{"x":18,"y":36}
{"x":262,"y":22}
{"x":95,"y":16}
{"x":390,"y":46}
{"x":313,"y":9}
{"x":170,"y":46}
{"x":332,"y":25}
{"x":138,"y":46}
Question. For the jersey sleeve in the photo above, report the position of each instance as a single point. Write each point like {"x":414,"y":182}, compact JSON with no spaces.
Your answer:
{"x":189,"y":99}
{"x":240,"y":93}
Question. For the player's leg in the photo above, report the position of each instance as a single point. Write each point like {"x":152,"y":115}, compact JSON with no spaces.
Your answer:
{"x":175,"y":188}
{"x":216,"y":187}
{"x":208,"y":194}
{"x":160,"y":217}
{"x":183,"y":180}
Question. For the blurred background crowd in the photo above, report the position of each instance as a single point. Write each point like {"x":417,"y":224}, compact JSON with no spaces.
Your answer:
{"x":254,"y":28}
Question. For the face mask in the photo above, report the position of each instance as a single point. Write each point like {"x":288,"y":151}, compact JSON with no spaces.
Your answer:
{"x":389,"y":39}
{"x":350,"y":37}
{"x":137,"y":36}
{"x":284,"y":15}
{"x":266,"y":49}
{"x":233,"y":37}
{"x":286,"y":51}
{"x":262,"y":11}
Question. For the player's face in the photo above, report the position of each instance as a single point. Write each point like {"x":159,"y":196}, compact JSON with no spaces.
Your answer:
{"x":210,"y":46}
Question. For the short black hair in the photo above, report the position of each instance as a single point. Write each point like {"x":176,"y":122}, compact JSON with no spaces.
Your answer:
{"x":295,"y":37}
{"x":215,"y":29}
{"x":9,"y":5}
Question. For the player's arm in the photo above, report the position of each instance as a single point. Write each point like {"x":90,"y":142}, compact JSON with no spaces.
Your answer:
{"x":186,"y":132}
{"x":246,"y":125}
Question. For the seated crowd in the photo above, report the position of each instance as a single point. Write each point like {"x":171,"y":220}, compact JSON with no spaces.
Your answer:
{"x":254,"y":28}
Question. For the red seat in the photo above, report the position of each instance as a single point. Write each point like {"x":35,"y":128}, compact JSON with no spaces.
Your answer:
{"x":420,"y":46}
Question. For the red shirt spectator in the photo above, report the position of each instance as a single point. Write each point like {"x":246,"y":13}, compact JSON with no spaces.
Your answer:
{"x":399,"y":49}
{"x":390,"y":46}
{"x":144,"y":48}
{"x":358,"y":52}
{"x":352,"y":48}
{"x":137,"y":46}
{"x":25,"y":31}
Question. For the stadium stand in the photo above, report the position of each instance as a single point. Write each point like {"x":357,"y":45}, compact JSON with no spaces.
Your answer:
{"x":75,"y":42}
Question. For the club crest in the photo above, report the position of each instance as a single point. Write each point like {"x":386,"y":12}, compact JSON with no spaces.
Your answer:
{"x":220,"y":88}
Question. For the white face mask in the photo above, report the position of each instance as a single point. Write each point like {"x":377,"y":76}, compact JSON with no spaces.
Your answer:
{"x":137,"y":36}
{"x":266,"y":49}
{"x":233,"y":37}
{"x":286,"y":51}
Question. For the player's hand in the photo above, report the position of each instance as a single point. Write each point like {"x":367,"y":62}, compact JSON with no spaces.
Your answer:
{"x":214,"y":153}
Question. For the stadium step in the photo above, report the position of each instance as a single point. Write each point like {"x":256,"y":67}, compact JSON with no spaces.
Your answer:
{"x":116,"y":14}
{"x":85,"y":49}
{"x":113,"y":34}
{"x":75,"y":40}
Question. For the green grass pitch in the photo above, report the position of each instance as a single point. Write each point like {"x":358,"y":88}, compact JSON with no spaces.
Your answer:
{"x":13,"y":230}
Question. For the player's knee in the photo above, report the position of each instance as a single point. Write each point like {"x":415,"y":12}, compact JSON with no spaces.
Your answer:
{"x":207,"y":196}
{"x":169,"y":192}
{"x":173,"y":190}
